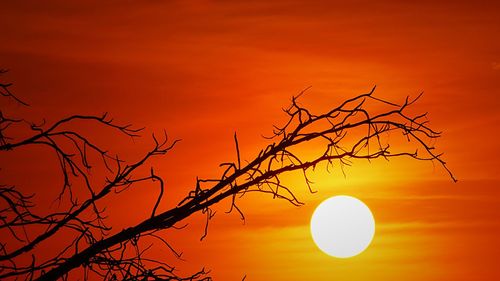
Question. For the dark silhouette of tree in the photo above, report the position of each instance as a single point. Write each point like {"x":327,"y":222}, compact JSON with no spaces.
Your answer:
{"x":96,"y":250}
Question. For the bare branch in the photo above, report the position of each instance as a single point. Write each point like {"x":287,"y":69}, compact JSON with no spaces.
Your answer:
{"x":344,"y":134}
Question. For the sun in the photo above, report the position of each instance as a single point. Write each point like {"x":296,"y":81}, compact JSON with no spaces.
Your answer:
{"x":342,"y":226}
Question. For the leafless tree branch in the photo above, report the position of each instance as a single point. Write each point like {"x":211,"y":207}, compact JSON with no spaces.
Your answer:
{"x":123,"y":255}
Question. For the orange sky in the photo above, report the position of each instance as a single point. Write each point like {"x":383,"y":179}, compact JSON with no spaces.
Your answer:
{"x":205,"y":69}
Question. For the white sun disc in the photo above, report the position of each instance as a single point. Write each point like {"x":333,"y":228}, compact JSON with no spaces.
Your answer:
{"x":342,"y":226}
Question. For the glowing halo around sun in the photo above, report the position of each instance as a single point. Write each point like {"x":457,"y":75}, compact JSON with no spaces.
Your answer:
{"x":342,"y":226}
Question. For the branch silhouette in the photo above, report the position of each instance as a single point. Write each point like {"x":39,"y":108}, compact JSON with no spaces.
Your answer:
{"x":98,"y":251}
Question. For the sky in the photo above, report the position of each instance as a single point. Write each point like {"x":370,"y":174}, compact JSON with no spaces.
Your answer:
{"x":203,"y":70}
